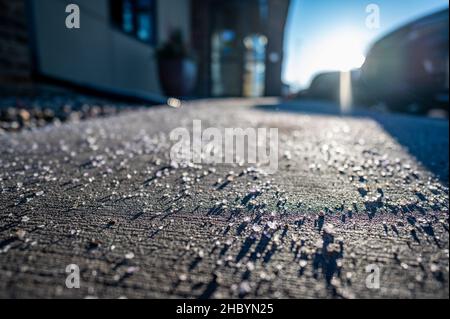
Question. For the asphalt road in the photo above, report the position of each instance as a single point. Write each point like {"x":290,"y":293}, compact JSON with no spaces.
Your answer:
{"x":350,"y":191}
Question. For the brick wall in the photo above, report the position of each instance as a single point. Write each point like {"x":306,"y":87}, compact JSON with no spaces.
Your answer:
{"x":15,"y":58}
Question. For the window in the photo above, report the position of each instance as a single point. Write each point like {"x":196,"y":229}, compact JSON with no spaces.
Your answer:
{"x":136,"y":18}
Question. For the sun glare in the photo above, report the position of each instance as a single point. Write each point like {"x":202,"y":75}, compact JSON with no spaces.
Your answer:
{"x":341,"y":51}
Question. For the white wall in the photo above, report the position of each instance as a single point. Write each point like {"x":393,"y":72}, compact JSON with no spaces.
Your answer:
{"x":97,"y":54}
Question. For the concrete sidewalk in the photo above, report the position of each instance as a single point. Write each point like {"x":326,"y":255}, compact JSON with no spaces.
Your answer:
{"x":102,"y":194}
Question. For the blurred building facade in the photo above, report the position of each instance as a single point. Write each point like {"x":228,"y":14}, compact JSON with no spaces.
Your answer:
{"x":238,"y":44}
{"x":243,"y":53}
{"x":114,"y":48}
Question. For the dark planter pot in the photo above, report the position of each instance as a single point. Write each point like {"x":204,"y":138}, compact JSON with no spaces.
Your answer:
{"x":177,"y":76}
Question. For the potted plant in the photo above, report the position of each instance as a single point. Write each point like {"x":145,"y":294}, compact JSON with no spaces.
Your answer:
{"x":177,"y":66}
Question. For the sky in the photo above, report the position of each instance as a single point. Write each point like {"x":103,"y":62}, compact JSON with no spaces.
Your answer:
{"x":331,"y":35}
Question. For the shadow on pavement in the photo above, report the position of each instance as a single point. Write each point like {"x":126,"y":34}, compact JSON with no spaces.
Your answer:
{"x":427,"y":139}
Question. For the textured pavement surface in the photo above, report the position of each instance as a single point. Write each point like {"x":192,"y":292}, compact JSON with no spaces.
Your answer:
{"x":351,"y":191}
